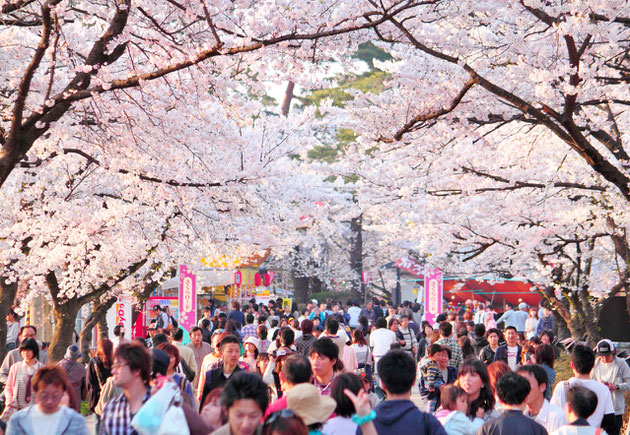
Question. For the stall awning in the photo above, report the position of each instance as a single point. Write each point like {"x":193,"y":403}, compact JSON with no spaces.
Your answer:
{"x":498,"y":292}
{"x":205,"y":278}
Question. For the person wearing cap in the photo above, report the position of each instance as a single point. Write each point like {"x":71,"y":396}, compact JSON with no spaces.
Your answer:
{"x":613,"y":372}
{"x":75,"y":372}
{"x":312,"y":407}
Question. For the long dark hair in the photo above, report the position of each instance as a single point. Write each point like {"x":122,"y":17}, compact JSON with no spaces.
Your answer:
{"x":358,"y":338}
{"x":105,"y":351}
{"x":545,"y":354}
{"x":486,"y":398}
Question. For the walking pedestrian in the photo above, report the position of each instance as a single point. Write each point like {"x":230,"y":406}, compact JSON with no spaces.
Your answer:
{"x":131,"y":372}
{"x":26,"y":332}
{"x":582,"y":362}
{"x":13,"y":330}
{"x":512,"y":389}
{"x":398,"y":414}
{"x":98,"y":371}
{"x":48,"y":415}
{"x":18,"y":391}
{"x":76,"y":375}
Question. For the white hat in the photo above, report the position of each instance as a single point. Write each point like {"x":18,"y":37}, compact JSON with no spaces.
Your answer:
{"x":522,"y":306}
{"x":254,"y":341}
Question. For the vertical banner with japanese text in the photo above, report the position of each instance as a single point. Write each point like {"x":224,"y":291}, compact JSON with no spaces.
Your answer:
{"x":433,"y":289}
{"x":120,"y":314}
{"x":187,"y":298}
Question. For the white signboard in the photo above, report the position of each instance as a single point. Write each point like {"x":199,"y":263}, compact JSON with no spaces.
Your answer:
{"x":120,"y":314}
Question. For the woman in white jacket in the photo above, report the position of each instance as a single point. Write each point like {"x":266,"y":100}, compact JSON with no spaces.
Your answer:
{"x":531,"y":324}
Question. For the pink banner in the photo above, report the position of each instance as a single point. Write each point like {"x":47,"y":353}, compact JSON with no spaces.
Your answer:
{"x":433,"y":289}
{"x":187,"y":298}
{"x":414,"y":267}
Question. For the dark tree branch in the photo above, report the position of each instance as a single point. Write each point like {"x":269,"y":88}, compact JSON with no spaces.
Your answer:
{"x":423,"y":117}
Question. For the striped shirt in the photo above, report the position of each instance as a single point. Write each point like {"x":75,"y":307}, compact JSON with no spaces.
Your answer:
{"x":117,"y":417}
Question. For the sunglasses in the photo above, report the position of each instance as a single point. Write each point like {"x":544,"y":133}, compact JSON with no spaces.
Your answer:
{"x":283,"y":413}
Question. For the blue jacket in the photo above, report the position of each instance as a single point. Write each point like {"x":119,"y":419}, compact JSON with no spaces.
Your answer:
{"x":456,"y":423}
{"x":403,"y":416}
{"x":71,"y":422}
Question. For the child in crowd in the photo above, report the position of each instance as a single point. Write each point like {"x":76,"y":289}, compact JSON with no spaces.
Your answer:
{"x":453,"y":413}
{"x":581,"y":404}
{"x":368,"y":387}
{"x":431,"y":377}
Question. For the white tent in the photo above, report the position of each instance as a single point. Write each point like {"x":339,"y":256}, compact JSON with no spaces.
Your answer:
{"x":205,"y":278}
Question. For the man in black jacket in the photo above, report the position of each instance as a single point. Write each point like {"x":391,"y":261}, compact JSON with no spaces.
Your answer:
{"x":510,"y":352}
{"x":231,"y":350}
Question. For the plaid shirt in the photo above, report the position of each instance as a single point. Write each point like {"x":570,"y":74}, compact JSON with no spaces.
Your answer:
{"x":324,"y":390}
{"x":456,"y":352}
{"x":117,"y":417}
{"x":249,"y":330}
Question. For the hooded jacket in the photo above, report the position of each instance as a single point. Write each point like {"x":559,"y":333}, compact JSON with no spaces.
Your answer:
{"x":478,"y":343}
{"x":71,"y":422}
{"x":401,"y":416}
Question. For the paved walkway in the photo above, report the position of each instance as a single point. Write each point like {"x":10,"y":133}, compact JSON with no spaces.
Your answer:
{"x":417,"y":399}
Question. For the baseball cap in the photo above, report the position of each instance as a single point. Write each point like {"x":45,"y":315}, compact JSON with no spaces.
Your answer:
{"x":522,"y":305}
{"x":604,"y":347}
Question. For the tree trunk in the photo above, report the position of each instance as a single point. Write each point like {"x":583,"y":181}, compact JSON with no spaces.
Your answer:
{"x":85,"y":336}
{"x":102,"y":328}
{"x":7,"y":298}
{"x":356,"y":257}
{"x":300,"y":287}
{"x":315,"y":285}
{"x":65,"y":320}
{"x":288,"y":96}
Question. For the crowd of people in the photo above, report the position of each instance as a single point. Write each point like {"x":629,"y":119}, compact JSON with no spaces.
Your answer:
{"x":329,"y":368}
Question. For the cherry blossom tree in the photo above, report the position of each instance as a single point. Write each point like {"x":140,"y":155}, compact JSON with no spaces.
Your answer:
{"x":129,"y":133}
{"x":497,"y":145}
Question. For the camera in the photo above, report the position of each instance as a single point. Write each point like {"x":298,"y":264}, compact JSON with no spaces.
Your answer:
{"x":279,"y":352}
